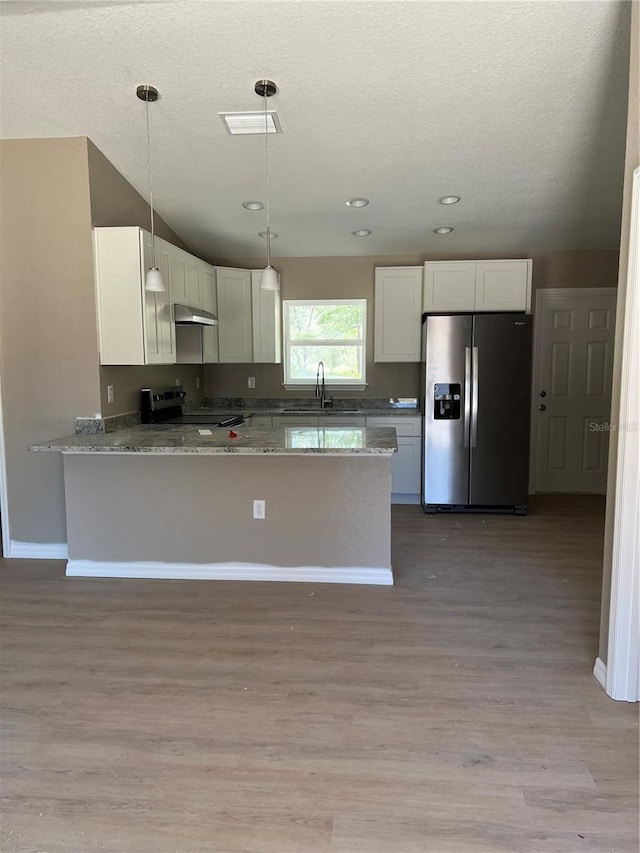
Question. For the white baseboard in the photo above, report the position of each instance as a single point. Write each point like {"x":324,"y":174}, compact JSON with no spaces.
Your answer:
{"x":231,"y":571}
{"x":37,"y":550}
{"x":600,"y":672}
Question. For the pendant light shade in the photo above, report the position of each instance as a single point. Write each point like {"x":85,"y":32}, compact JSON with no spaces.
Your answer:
{"x":153,"y":280}
{"x":269,"y":279}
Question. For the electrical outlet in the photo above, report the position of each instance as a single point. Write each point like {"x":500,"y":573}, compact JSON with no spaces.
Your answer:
{"x":259,"y":509}
{"x":177,"y":381}
{"x":251,"y":381}
{"x":110,"y":395}
{"x":197,"y":383}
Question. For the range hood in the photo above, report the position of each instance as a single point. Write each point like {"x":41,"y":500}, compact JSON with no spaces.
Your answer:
{"x":184,"y":315}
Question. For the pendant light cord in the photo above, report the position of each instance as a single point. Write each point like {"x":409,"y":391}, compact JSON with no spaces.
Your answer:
{"x":153,"y":239}
{"x":266,"y":168}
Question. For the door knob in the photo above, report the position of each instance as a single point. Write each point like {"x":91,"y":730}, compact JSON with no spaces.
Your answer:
{"x":543,"y":393}
{"x":541,"y":407}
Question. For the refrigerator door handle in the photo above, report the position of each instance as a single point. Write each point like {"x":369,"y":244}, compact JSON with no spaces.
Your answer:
{"x":467,"y":396}
{"x":474,"y":397}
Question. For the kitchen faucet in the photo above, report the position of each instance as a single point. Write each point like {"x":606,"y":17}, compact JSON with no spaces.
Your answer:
{"x":320,"y":387}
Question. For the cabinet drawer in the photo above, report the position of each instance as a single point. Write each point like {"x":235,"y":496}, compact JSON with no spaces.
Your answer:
{"x":295,"y":421}
{"x":403,"y":426}
{"x":341,"y":421}
{"x":260,"y":421}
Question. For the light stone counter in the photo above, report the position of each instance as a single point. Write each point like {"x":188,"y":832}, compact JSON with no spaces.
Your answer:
{"x":169,"y":502}
{"x":162,"y":440}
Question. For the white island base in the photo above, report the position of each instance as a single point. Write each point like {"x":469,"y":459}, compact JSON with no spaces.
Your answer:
{"x":190,"y":516}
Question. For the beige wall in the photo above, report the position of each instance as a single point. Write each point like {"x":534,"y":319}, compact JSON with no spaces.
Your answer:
{"x":320,"y":510}
{"x":48,"y":336}
{"x":353,"y":277}
{"x":632,"y":161}
{"x":114,"y":202}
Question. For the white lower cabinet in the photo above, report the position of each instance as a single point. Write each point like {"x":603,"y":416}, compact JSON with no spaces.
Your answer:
{"x":406,"y":464}
{"x":405,"y":471}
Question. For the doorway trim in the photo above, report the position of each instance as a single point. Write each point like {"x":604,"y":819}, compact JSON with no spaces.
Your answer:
{"x":4,"y":509}
{"x":623,"y":655}
{"x":543,"y":294}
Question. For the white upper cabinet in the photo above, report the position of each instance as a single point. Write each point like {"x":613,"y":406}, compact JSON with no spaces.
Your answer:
{"x":199,"y":344}
{"x":235,"y":334}
{"x":135,"y":326}
{"x":503,"y":285}
{"x":193,"y":283}
{"x":458,"y":286}
{"x":398,"y":314}
{"x":449,"y":286}
{"x":266,"y":314}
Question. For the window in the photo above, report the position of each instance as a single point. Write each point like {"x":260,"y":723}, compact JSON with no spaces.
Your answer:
{"x":332,"y":331}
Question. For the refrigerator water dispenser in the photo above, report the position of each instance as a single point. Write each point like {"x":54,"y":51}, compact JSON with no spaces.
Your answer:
{"x":446,"y":401}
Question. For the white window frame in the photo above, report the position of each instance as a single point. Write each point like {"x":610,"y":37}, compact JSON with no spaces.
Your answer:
{"x":292,"y":384}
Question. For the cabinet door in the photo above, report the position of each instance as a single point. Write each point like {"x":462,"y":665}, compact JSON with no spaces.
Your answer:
{"x":118,"y":271}
{"x":233,"y":288}
{"x":193,"y":284}
{"x":159,"y":328}
{"x":398,"y":313}
{"x":406,"y":470}
{"x":449,"y":286}
{"x":266,"y":322}
{"x":210,"y":338}
{"x":178,"y":267}
{"x":503,"y":285}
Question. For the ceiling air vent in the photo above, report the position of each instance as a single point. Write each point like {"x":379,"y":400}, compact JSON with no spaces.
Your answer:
{"x":253,"y":122}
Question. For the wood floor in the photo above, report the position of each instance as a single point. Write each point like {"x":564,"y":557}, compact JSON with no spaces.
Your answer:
{"x":455,"y":712}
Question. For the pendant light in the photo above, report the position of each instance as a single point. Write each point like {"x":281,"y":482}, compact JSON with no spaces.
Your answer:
{"x":153,"y":280}
{"x":269,"y":277}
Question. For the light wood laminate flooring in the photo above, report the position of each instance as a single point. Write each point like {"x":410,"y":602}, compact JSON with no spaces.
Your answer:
{"x":455,"y":712}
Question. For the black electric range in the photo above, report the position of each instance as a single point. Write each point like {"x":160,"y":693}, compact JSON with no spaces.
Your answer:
{"x":163,"y":407}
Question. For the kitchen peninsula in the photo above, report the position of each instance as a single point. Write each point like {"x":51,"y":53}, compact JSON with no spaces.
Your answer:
{"x":170,"y":502}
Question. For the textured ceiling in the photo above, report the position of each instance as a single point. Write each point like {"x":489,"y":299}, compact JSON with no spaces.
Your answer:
{"x":519,"y":107}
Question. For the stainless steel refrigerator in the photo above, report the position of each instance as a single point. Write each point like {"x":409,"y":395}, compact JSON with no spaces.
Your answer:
{"x":477,"y":390}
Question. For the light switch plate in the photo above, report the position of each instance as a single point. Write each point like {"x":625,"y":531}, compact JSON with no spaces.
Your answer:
{"x":251,"y":381}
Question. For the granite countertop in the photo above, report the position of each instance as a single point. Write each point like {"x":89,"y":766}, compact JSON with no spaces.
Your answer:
{"x":248,"y":412}
{"x":402,"y":412}
{"x":250,"y":441}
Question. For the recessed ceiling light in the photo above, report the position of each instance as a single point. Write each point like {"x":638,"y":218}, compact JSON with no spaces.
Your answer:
{"x":449,"y":199}
{"x":358,"y":202}
{"x":444,"y":229}
{"x":263,"y":234}
{"x":361,"y":232}
{"x":253,"y":205}
{"x":253,"y":122}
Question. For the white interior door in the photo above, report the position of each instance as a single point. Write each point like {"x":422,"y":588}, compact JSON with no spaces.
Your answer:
{"x":572,"y":389}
